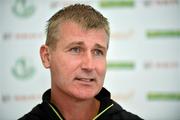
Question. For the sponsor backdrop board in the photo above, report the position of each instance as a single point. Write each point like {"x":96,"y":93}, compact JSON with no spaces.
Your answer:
{"x":143,"y":59}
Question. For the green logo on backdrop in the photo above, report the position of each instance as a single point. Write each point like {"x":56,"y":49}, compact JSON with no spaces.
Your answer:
{"x":116,"y":3}
{"x":161,"y":96}
{"x":23,"y":69}
{"x":120,"y":65}
{"x":163,"y":33}
{"x":23,"y":8}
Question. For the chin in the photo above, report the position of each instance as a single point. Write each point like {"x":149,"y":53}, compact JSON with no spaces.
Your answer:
{"x":85,"y":95}
{"x":84,"y":98}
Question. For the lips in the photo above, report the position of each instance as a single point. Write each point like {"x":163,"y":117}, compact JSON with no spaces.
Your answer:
{"x":85,"y":79}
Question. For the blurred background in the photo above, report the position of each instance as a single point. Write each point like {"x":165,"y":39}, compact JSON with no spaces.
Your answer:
{"x":143,"y":71}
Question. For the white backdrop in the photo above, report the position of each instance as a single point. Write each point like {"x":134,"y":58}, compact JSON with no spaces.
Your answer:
{"x":143,"y":60}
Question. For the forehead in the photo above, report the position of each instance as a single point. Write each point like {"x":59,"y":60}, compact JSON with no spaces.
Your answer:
{"x":74,"y":27}
{"x":69,"y":31}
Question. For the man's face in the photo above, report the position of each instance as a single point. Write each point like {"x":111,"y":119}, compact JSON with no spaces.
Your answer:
{"x":78,"y":64}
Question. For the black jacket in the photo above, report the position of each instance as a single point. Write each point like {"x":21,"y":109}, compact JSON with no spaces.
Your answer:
{"x":109,"y":109}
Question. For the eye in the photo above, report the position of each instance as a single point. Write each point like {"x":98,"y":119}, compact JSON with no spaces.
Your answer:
{"x":98,"y":52}
{"x":75,"y":50}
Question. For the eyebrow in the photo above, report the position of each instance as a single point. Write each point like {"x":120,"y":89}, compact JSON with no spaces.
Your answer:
{"x":75,"y":43}
{"x":100,"y":46}
{"x":82,"y":43}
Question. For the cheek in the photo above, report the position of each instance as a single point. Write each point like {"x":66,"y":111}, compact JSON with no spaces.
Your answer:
{"x":58,"y":65}
{"x":101,"y":68}
{"x":68,"y":65}
{"x":61,"y":70}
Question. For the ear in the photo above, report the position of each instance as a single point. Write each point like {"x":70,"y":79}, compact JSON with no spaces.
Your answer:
{"x":45,"y":56}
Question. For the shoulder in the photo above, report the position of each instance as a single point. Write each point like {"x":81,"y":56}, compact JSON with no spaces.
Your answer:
{"x":119,"y":112}
{"x":40,"y":111}
{"x":37,"y":113}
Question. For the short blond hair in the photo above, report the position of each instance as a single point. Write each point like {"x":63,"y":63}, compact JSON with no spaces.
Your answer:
{"x":84,"y":15}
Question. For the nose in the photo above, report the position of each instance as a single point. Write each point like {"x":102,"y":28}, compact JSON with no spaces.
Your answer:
{"x":87,"y":62}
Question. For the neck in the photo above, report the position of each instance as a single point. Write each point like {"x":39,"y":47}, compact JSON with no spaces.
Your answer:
{"x":75,"y":109}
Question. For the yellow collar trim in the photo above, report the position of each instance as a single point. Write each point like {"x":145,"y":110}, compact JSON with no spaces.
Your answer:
{"x":92,"y":119}
{"x":102,"y":112}
{"x":55,"y":112}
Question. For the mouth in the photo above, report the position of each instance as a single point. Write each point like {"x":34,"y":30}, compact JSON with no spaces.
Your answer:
{"x":85,"y":79}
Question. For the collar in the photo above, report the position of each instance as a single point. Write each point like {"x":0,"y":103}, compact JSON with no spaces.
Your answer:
{"x":103,"y":96}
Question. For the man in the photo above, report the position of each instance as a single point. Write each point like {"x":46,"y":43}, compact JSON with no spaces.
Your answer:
{"x":75,"y":52}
